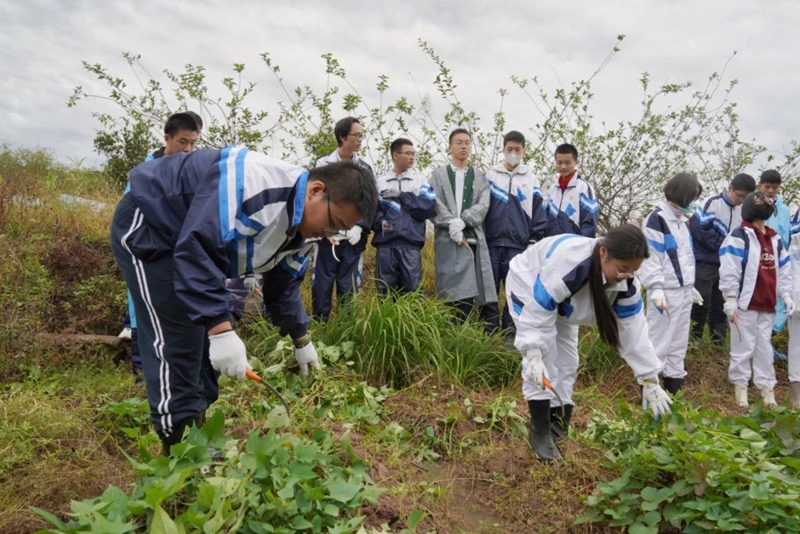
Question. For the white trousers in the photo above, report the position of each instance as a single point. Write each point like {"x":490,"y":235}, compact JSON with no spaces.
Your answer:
{"x":669,"y":332}
{"x":750,"y":342}
{"x":794,"y":347}
{"x":561,"y":360}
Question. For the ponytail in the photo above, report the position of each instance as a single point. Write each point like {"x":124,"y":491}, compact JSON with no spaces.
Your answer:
{"x":606,"y":320}
{"x":623,"y":243}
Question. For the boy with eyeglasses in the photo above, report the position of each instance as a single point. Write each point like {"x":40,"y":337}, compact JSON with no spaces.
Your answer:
{"x":463,"y":267}
{"x":406,"y":201}
{"x":715,"y":218}
{"x":341,"y":267}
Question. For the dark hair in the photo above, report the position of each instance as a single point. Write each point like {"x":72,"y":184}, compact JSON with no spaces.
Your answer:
{"x":743,"y":182}
{"x":342,"y":129}
{"x":197,"y":118}
{"x":514,"y":137}
{"x":756,"y":206}
{"x":623,"y":243}
{"x":770,"y":176}
{"x":185,"y":120}
{"x":347,"y":182}
{"x":683,"y":189}
{"x":567,"y":148}
{"x":456,"y":132}
{"x":398,"y":144}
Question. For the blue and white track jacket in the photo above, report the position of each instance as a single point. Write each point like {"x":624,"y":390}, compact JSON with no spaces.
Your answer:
{"x":400,"y":223}
{"x":671,"y":263}
{"x":711,"y":223}
{"x":550,"y":280}
{"x":515,"y":218}
{"x":224,"y":213}
{"x":740,"y":256}
{"x":572,"y":211}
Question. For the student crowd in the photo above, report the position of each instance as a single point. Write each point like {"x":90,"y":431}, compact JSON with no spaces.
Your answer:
{"x":192,"y":226}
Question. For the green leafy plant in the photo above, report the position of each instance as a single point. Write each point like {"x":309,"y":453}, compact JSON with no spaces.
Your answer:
{"x":698,"y":471}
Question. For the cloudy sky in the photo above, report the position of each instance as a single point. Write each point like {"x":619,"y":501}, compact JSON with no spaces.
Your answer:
{"x":483,"y":43}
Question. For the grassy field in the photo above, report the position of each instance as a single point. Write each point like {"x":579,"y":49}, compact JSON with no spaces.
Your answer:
{"x":413,"y":424}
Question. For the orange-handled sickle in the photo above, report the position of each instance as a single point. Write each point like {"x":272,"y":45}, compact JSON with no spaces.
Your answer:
{"x":735,"y":321}
{"x":549,"y":386}
{"x":255,"y":378}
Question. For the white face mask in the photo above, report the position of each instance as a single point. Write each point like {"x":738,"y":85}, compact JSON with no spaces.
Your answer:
{"x":513,"y":159}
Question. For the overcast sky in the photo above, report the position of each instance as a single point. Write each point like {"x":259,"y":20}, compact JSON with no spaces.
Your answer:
{"x":483,"y":43}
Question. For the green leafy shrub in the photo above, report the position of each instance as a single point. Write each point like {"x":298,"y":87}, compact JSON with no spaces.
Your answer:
{"x":275,"y":483}
{"x":699,"y":471}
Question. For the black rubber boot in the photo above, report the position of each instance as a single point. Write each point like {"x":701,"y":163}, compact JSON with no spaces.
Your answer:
{"x":540,"y":438}
{"x":560,"y":427}
{"x":179,"y":429}
{"x":672,"y":385}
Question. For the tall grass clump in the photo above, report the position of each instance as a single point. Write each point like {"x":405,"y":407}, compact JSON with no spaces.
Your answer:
{"x":399,"y":339}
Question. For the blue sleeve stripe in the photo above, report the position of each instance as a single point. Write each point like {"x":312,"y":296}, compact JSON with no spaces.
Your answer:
{"x":784,"y":261}
{"x":224,"y":223}
{"x":657,"y":246}
{"x":624,"y":311}
{"x":300,"y":199}
{"x":516,"y":304}
{"x":795,"y":228}
{"x":736,"y":251}
{"x":390,"y":204}
{"x":558,"y":242}
{"x":542,"y":296}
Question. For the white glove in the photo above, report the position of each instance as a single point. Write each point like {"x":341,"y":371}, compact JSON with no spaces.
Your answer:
{"x":697,"y":298}
{"x":658,"y":298}
{"x":655,"y":398}
{"x":250,"y":283}
{"x":789,"y":304}
{"x":730,"y":308}
{"x":457,"y":226}
{"x":228,"y":354}
{"x":390,"y":194}
{"x":533,"y":369}
{"x":354,"y":235}
{"x":306,"y":355}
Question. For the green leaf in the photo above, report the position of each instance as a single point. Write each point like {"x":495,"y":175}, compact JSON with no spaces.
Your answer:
{"x":47,"y":516}
{"x":414,"y":518}
{"x":342,"y":491}
{"x":277,"y":418}
{"x":301,"y":523}
{"x":162,"y":523}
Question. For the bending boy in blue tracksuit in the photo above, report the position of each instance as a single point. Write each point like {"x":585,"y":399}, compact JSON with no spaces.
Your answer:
{"x":515,"y":218}
{"x":406,"y":201}
{"x":191,"y":220}
{"x":181,"y":133}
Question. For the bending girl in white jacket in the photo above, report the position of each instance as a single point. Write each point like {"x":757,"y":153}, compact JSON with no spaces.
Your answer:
{"x":572,"y":280}
{"x":668,"y":276}
{"x":754,"y":273}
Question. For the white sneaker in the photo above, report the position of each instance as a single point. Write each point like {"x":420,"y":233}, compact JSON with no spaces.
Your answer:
{"x":125,"y":335}
{"x":768,"y":396}
{"x":741,"y":395}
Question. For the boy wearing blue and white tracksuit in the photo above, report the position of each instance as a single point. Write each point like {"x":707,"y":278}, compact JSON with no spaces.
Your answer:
{"x":714,"y":219}
{"x":571,"y":204}
{"x":668,"y":276}
{"x":794,"y":321}
{"x":549,"y":289}
{"x":341,"y":267}
{"x":755,"y":272}
{"x":191,"y":220}
{"x":515,"y":218}
{"x":406,"y":202}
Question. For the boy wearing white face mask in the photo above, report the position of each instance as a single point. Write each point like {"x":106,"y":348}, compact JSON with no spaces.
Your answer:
{"x":668,"y":276}
{"x":515,"y":218}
